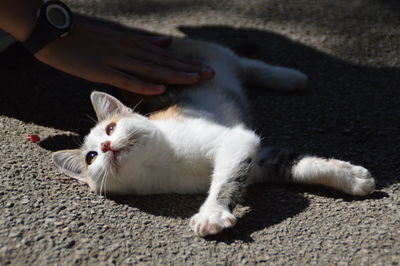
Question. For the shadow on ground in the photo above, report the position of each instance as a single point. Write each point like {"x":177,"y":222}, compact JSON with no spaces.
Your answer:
{"x":268,"y":205}
{"x":265,"y":205}
{"x":350,"y":112}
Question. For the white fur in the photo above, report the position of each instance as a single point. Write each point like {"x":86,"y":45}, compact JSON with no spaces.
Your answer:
{"x":343,"y":176}
{"x":202,"y":147}
{"x":171,"y":159}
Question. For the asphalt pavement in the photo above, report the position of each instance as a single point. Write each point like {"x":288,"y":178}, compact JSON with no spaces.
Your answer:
{"x":350,"y":111}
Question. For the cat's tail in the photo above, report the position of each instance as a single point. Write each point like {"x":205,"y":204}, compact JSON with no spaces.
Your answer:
{"x":282,"y":165}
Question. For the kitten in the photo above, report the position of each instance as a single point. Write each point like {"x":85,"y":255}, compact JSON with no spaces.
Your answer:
{"x":201,"y":143}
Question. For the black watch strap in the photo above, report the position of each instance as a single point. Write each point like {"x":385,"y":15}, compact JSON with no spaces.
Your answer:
{"x":45,"y":31}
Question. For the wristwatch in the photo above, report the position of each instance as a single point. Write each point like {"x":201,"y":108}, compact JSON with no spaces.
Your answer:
{"x":54,"y":20}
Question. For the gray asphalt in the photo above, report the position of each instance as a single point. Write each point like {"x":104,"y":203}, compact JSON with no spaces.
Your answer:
{"x":350,"y":111}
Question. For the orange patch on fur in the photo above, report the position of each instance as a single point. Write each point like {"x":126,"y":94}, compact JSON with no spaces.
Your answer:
{"x":171,"y":112}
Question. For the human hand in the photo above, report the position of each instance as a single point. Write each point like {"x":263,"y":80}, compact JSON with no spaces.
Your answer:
{"x":131,"y":62}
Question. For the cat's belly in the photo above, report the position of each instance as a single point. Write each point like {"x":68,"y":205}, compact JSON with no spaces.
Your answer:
{"x":193,"y":178}
{"x":183,"y":177}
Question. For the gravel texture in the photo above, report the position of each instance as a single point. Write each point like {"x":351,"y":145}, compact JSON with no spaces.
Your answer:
{"x":350,"y":111}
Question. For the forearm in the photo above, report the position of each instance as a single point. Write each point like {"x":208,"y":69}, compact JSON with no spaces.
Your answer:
{"x":18,"y":17}
{"x":101,"y":54}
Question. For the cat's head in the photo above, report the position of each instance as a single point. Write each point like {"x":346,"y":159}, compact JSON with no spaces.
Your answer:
{"x":120,"y":141}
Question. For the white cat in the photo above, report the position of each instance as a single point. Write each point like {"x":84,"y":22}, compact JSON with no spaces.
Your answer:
{"x":200,"y":144}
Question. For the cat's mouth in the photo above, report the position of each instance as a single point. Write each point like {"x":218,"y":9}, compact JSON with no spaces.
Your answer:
{"x":118,"y":153}
{"x":116,"y":156}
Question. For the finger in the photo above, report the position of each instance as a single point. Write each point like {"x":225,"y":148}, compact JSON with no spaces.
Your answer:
{"x":127,"y":82}
{"x":142,"y":47}
{"x":154,"y":72}
{"x":162,"y":52}
{"x":153,"y":45}
{"x":160,"y":41}
{"x":168,"y":60}
{"x":205,"y":72}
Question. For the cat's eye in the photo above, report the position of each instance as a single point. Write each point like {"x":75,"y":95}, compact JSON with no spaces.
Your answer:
{"x":110,"y":128}
{"x":90,"y":157}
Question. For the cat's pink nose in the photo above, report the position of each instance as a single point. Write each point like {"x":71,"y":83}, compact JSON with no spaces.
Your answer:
{"x":105,"y":146}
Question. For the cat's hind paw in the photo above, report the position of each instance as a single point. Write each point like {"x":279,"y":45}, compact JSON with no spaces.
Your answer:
{"x":211,"y":222}
{"x":363,"y":182}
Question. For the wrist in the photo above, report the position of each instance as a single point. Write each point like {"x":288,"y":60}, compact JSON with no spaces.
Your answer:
{"x":54,"y":21}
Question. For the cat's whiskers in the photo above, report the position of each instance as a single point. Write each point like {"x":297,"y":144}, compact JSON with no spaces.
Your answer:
{"x":114,"y":169}
{"x":101,"y":176}
{"x":105,"y":183}
{"x":135,"y":139}
{"x":91,"y":120}
{"x":133,"y":135}
{"x":102,"y":183}
{"x":137,"y":105}
{"x":98,"y":175}
{"x":105,"y":180}
{"x":77,"y":140}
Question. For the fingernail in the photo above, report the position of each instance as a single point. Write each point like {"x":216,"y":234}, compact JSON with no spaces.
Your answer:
{"x":207,"y":72}
{"x":157,"y":88}
{"x":193,"y":75}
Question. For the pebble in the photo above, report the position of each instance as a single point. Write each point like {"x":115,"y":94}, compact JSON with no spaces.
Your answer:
{"x":15,"y":233}
{"x":24,"y":201}
{"x":70,"y":244}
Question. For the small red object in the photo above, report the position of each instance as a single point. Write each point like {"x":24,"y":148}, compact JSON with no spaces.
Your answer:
{"x":34,"y":138}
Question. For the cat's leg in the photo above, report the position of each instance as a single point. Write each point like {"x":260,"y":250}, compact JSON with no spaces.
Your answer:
{"x":283,"y":165}
{"x":274,"y":77}
{"x":233,"y":164}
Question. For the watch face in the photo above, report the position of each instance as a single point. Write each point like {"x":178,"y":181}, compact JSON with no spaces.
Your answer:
{"x":58,"y":16}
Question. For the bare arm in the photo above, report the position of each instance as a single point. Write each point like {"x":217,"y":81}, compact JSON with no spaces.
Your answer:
{"x":100,"y":54}
{"x":18,"y":17}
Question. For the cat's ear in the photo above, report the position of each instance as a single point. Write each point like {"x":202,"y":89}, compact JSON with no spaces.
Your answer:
{"x":107,"y":106}
{"x":70,"y":162}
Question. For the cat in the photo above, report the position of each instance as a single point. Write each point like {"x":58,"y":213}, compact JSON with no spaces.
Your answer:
{"x":202,"y":142}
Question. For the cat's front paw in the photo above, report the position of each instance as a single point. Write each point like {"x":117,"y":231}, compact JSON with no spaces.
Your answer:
{"x":363,"y":182}
{"x":211,"y":222}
